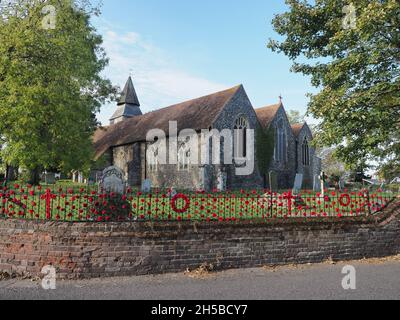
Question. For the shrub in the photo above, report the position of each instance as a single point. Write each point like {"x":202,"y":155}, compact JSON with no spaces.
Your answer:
{"x":111,"y":208}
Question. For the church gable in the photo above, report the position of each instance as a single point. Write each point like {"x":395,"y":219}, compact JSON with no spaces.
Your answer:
{"x":302,"y":130}
{"x":239,"y":106}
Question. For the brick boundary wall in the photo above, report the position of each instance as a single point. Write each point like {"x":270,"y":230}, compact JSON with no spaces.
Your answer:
{"x":88,"y":250}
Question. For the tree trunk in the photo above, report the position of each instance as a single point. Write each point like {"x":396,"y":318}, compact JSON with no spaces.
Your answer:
{"x":265,"y":181}
{"x":10,"y":173}
{"x":34,"y":177}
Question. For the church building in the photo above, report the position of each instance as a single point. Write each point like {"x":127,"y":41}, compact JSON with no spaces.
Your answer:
{"x":123,"y":143}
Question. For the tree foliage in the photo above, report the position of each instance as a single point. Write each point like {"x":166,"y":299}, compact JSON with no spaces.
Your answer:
{"x":357,"y":70}
{"x":50,"y":85}
{"x":295,"y":117}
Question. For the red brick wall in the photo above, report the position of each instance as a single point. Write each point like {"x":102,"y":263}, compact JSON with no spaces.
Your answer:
{"x":84,"y":250}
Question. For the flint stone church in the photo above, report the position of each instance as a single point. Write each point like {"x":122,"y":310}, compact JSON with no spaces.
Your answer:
{"x":123,"y":143}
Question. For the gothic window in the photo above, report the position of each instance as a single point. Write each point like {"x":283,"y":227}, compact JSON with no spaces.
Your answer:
{"x":152,"y":159}
{"x":280,"y":153}
{"x":183,"y":157}
{"x":306,"y":153}
{"x":240,"y":140}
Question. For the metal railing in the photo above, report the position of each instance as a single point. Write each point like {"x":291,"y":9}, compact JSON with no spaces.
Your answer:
{"x":85,"y":204}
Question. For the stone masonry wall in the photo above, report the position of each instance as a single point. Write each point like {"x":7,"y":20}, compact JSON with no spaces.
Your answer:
{"x":314,"y":167}
{"x":239,"y":106}
{"x":128,"y":159}
{"x":85,"y":250}
{"x":286,"y":171}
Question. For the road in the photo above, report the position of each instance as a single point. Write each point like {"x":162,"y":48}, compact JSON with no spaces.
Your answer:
{"x":374,"y":280}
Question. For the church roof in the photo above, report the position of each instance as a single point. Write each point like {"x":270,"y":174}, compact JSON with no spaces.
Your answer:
{"x":267,"y":114}
{"x":197,"y":114}
{"x":129,"y":95}
{"x":127,"y":111}
{"x":296,"y":128}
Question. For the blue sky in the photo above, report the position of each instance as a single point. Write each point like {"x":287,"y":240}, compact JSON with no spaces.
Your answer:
{"x":182,"y":49}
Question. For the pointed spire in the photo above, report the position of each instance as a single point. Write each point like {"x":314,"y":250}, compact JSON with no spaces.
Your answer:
{"x":129,"y":94}
{"x":280,"y":99}
{"x":128,"y":104}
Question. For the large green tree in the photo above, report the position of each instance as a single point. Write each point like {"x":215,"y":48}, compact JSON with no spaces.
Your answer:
{"x":351,"y":51}
{"x":51,"y":86}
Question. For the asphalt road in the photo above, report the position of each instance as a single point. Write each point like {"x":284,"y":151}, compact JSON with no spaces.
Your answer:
{"x":378,"y":280}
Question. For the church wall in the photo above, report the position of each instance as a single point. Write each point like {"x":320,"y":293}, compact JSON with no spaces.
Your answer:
{"x":286,"y":172}
{"x":127,"y":158}
{"x":311,"y":170}
{"x":169,"y":175}
{"x":239,"y":105}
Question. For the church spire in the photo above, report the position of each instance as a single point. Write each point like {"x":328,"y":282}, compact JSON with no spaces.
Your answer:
{"x":128,"y":104}
{"x":128,"y":95}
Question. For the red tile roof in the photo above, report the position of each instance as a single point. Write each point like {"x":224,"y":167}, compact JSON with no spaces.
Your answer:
{"x":267,"y":114}
{"x":296,"y":128}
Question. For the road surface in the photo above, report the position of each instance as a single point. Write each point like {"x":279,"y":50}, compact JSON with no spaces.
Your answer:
{"x":374,"y":280}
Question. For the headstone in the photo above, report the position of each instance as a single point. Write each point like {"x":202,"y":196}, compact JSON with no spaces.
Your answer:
{"x":273,"y":181}
{"x":50,"y":178}
{"x":94,"y":177}
{"x":146,"y":186}
{"x":221,"y":181}
{"x":298,"y":183}
{"x":341,"y":185}
{"x":322,"y":179}
{"x":317,"y":184}
{"x":113,"y":180}
{"x":99,"y":175}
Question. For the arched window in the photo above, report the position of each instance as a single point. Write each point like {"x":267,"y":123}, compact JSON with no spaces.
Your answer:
{"x":183,"y":157}
{"x":280,"y":153}
{"x":240,"y":140}
{"x":306,"y":153}
{"x":152,"y":159}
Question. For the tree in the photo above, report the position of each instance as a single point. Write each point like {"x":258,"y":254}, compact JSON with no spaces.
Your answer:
{"x":50,"y":84}
{"x":352,"y":53}
{"x":333,"y":168}
{"x":295,"y":117}
{"x":389,"y":171}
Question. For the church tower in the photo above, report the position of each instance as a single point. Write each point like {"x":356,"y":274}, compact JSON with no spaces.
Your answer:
{"x":128,"y":104}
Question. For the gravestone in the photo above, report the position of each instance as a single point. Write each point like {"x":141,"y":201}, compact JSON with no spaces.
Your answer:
{"x":317,"y":184}
{"x":341,"y":185}
{"x":298,"y":183}
{"x":221,"y":181}
{"x":273,"y":181}
{"x":94,"y":177}
{"x":112,"y":180}
{"x":146,"y":186}
{"x":322,"y":179}
{"x":50,"y":178}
